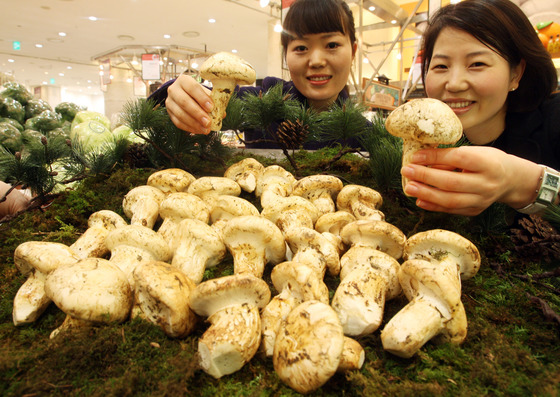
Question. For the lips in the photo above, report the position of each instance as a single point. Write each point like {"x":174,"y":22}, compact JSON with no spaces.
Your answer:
{"x":319,"y":79}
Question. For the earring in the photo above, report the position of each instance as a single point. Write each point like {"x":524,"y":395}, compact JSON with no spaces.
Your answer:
{"x":513,"y":88}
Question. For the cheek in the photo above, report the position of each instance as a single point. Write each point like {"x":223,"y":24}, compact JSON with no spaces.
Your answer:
{"x":433,"y":87}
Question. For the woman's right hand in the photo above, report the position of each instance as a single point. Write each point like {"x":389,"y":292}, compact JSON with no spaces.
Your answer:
{"x":188,"y":104}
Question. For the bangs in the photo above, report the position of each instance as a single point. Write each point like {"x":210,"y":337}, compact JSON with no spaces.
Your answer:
{"x":311,"y":20}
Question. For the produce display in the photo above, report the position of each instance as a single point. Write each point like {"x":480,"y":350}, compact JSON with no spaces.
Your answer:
{"x":152,"y":266}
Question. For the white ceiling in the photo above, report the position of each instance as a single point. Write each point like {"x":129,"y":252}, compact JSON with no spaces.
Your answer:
{"x":240,"y":24}
{"x":141,"y":24}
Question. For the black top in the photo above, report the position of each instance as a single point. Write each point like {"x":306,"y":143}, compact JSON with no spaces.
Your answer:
{"x":535,"y":135}
{"x":160,"y":95}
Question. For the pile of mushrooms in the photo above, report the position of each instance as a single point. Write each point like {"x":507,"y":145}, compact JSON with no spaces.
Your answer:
{"x":152,"y":265}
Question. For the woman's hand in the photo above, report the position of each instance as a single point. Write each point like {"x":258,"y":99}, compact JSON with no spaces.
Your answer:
{"x":188,"y":104}
{"x":468,"y":179}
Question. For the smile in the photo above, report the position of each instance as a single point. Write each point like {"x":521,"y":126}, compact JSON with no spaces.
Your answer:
{"x":459,"y":105}
{"x":318,"y":78}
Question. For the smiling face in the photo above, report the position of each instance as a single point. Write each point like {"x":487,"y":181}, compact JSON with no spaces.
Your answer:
{"x":474,"y":81}
{"x":319,"y":66}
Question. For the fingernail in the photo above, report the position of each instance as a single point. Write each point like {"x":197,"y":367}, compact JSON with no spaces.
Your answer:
{"x":411,"y":189}
{"x":208,"y":106}
{"x":418,"y":157}
{"x":205,"y":122}
{"x":407,"y":171}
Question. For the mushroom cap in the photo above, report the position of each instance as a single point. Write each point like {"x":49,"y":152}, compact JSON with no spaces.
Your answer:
{"x":225,"y":65}
{"x":141,"y":205}
{"x":290,"y":204}
{"x":217,"y":294}
{"x":92,"y":242}
{"x":181,"y":205}
{"x":142,"y":238}
{"x":437,"y":244}
{"x":253,"y":242}
{"x":301,"y":280}
{"x":313,"y":249}
{"x":321,"y":190}
{"x":361,"y":201}
{"x":198,"y":246}
{"x":245,"y":172}
{"x":377,"y":234}
{"x":228,"y":207}
{"x":427,"y":120}
{"x":308,"y":346}
{"x":383,"y":264}
{"x":171,"y":180}
{"x":276,"y":178}
{"x":353,"y":356}
{"x":92,"y":289}
{"x":42,"y":256}
{"x":333,"y":222}
{"x":208,"y":188}
{"x":161,"y":296}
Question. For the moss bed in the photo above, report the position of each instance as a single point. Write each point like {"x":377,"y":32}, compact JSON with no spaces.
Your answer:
{"x":512,"y":347}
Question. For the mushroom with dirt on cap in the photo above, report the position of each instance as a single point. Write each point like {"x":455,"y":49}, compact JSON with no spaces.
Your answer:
{"x":171,"y":180}
{"x":380,"y":235}
{"x":435,"y":262}
{"x":361,"y":201}
{"x":141,"y":205}
{"x":232,"y":305}
{"x":225,"y":70}
{"x":245,"y":172}
{"x":321,"y":190}
{"x":92,"y":291}
{"x":423,"y":123}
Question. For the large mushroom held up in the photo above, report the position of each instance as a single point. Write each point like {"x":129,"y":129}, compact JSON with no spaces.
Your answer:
{"x":423,"y":123}
{"x":225,"y":70}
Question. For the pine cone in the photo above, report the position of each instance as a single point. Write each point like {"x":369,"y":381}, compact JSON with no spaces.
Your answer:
{"x":535,"y":239}
{"x":136,"y":155}
{"x":291,"y":134}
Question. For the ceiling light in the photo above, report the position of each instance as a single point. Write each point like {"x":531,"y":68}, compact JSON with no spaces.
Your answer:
{"x":371,"y":8}
{"x":234,"y":51}
{"x":11,"y":60}
{"x":61,"y":74}
{"x":278,"y":27}
{"x":68,"y":67}
{"x":212,"y":20}
{"x":134,"y":60}
{"x":264,"y":3}
{"x":194,"y":65}
{"x":92,"y":18}
{"x":39,"y":45}
{"x":61,"y":34}
{"x":394,"y":21}
{"x":166,"y":36}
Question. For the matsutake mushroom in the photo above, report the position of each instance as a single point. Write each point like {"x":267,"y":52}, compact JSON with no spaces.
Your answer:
{"x":37,"y":259}
{"x":245,"y":172}
{"x":296,"y":283}
{"x":308,"y":347}
{"x":92,"y":291}
{"x":209,"y":188}
{"x":361,"y":201}
{"x":232,"y":305}
{"x":141,"y":205}
{"x":171,"y":180}
{"x":423,"y":123}
{"x":274,"y":182}
{"x":91,"y":244}
{"x":436,"y":260}
{"x":380,"y":235}
{"x":176,"y":207}
{"x":321,"y":190}
{"x":253,"y":241}
{"x":225,"y":70}
{"x":161,"y":296}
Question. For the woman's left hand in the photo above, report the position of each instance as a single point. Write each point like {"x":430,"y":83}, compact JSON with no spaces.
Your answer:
{"x":468,"y":179}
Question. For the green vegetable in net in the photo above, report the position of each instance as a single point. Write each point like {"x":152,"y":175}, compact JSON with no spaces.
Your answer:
{"x":35,"y":107}
{"x":68,"y":110}
{"x":13,"y":122}
{"x":10,"y":137}
{"x":16,"y":91}
{"x":46,"y":121}
{"x":91,"y":134}
{"x":14,"y":110}
{"x":86,"y":115}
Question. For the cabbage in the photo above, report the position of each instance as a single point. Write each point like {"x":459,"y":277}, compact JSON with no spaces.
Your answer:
{"x":17,"y":92}
{"x":68,"y":110}
{"x":13,"y":109}
{"x":46,"y":121}
{"x":13,"y":122}
{"x":91,"y":134}
{"x":86,"y":115}
{"x":35,"y":107}
{"x":10,"y":137}
{"x":127,"y":133}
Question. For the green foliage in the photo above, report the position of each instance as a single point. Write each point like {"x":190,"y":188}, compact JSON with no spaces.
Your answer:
{"x":17,"y":92}
{"x":68,"y":110}
{"x":344,"y":122}
{"x":35,"y":107}
{"x":13,"y":110}
{"x":45,"y":121}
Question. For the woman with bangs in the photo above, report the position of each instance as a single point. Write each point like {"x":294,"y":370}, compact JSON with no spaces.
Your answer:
{"x":484,"y":59}
{"x":319,"y":45}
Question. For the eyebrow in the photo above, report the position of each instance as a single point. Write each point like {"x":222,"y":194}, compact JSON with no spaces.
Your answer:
{"x":469,"y":55}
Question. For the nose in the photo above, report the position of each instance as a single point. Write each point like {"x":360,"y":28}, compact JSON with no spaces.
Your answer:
{"x":457,"y":80}
{"x":316,"y":59}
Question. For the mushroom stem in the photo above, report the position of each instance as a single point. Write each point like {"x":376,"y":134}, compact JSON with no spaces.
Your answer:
{"x":413,"y":326}
{"x":30,"y":300}
{"x":231,"y":341}
{"x":222,"y":89}
{"x":411,"y":146}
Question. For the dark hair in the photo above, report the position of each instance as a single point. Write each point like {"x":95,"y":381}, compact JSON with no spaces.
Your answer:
{"x":504,"y":28}
{"x":317,"y":16}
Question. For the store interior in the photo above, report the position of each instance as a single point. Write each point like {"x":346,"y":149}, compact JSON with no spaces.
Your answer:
{"x":91,"y":53}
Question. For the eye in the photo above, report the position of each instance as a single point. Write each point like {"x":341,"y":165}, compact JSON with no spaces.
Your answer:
{"x":440,"y":66}
{"x":478,"y":64}
{"x":332,"y":45}
{"x":299,"y":48}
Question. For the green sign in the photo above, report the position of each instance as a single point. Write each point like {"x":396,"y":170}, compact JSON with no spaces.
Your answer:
{"x":16,"y":45}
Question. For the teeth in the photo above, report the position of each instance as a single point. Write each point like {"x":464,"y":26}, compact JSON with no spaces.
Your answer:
{"x":319,"y":78}
{"x":457,"y":105}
